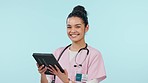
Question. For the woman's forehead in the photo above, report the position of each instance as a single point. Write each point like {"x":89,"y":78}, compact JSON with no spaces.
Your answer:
{"x":74,"y":21}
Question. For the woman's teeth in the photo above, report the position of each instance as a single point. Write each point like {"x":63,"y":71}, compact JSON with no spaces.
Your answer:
{"x":74,"y":35}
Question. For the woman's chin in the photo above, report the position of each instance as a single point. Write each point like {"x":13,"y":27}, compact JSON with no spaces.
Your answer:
{"x":74,"y":40}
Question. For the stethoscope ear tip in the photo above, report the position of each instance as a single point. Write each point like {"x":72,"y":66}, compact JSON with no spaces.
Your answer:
{"x":75,"y":65}
{"x":80,"y":65}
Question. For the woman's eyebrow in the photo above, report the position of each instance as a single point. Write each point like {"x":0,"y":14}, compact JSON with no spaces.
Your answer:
{"x":68,"y":25}
{"x":77,"y":24}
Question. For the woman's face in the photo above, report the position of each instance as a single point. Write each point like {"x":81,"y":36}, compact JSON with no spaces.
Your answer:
{"x":76,"y":29}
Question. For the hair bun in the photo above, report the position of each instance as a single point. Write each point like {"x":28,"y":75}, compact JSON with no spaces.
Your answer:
{"x":80,"y":8}
{"x":80,"y":12}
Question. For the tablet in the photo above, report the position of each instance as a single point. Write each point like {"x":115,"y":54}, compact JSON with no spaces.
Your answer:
{"x":46,"y":60}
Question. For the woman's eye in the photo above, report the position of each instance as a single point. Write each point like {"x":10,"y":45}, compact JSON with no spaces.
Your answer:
{"x":68,"y":27}
{"x":78,"y":26}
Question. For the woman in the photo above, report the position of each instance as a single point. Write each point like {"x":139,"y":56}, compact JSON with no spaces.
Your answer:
{"x":81,"y":63}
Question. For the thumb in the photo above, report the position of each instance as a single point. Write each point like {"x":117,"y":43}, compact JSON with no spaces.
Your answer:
{"x":65,"y":71}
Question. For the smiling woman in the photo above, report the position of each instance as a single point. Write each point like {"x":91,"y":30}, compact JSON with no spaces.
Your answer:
{"x":117,"y":28}
{"x":76,"y":29}
{"x":82,"y":63}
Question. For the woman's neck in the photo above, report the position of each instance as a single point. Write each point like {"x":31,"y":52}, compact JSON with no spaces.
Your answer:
{"x":77,"y":46}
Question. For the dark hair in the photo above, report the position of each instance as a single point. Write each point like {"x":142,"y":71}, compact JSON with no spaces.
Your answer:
{"x":79,"y":11}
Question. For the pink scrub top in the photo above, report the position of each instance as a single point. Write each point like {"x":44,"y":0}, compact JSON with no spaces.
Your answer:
{"x":93,"y":65}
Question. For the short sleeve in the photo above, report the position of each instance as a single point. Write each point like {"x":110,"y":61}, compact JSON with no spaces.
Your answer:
{"x":57,"y":52}
{"x":96,"y":68}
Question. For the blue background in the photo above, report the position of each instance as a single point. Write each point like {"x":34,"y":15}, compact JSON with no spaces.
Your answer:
{"x":118,"y":28}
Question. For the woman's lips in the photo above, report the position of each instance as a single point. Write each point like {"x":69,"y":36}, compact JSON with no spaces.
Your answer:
{"x":73,"y":35}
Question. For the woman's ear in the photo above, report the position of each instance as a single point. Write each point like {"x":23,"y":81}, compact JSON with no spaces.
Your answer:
{"x":86,"y":28}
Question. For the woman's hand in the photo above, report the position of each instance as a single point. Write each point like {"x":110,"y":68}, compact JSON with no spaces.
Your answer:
{"x":57,"y":72}
{"x":41,"y":69}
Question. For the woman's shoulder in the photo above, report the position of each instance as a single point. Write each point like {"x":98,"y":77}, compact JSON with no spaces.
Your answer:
{"x":94,"y":55}
{"x":59,"y":49}
{"x":62,"y":48}
{"x":93,"y":50}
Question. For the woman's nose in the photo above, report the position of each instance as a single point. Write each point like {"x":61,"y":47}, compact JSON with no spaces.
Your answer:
{"x":73,"y":30}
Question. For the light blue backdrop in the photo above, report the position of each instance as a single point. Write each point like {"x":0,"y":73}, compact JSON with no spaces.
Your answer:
{"x":118,"y":28}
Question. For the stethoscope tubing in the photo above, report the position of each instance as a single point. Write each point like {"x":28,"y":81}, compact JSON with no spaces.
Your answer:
{"x":79,"y":65}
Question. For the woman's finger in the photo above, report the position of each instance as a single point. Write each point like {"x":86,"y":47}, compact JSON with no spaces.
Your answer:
{"x":43,"y":70}
{"x":51,"y":72}
{"x":58,"y":70}
{"x":52,"y":68}
{"x":65,"y":71}
{"x":40,"y":68}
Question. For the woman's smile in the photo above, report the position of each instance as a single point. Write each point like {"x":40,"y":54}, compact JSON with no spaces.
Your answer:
{"x":74,"y":35}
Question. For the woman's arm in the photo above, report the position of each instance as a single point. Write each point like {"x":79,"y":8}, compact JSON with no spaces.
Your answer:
{"x":42,"y":70}
{"x":57,"y":72}
{"x":44,"y":79}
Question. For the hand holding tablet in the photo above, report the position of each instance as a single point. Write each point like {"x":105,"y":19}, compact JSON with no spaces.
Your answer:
{"x":46,"y":60}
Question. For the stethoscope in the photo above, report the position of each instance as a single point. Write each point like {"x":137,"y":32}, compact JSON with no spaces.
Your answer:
{"x":77,"y":64}
{"x":80,"y":64}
